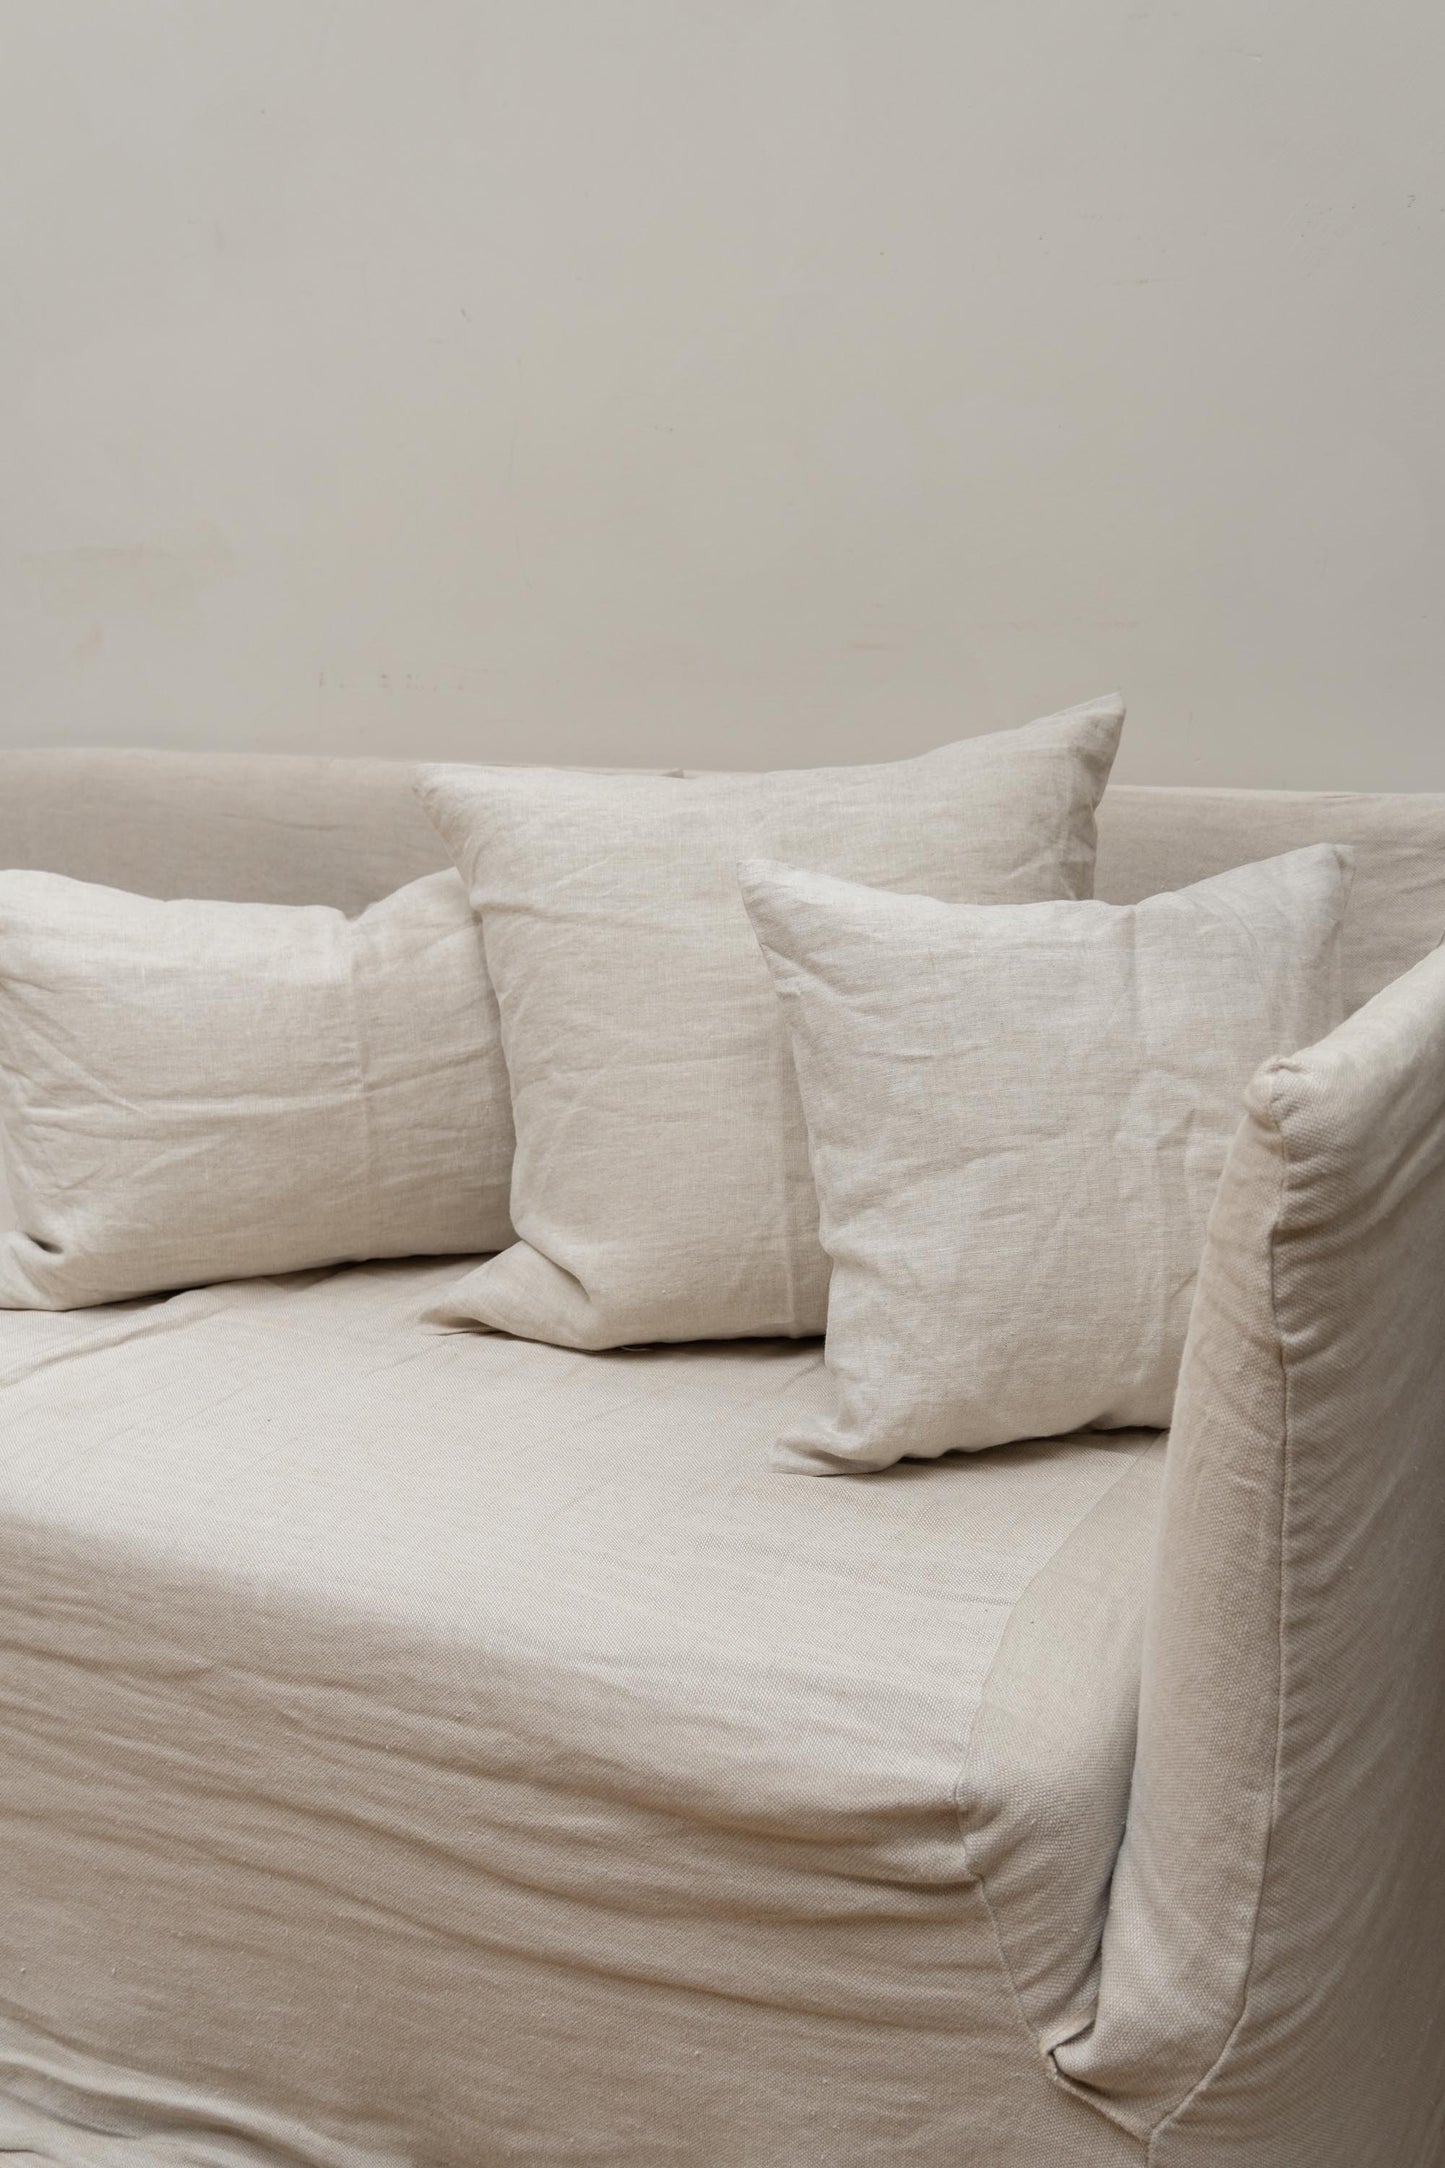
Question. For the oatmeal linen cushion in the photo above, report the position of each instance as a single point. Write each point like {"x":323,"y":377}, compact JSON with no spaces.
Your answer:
{"x":193,"y":1092}
{"x":1018,"y":1119}
{"x":661,"y":1188}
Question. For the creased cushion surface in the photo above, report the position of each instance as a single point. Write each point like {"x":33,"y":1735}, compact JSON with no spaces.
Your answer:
{"x":1017,"y":1119}
{"x":196,"y":1091}
{"x":432,"y":1747}
{"x":661,"y":1188}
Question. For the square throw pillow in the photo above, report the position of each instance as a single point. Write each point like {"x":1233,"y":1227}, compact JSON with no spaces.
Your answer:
{"x":193,"y":1092}
{"x":1017,"y":1120}
{"x":661,"y":1187}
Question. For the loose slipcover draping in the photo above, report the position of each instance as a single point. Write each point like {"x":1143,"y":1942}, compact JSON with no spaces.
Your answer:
{"x":438,"y":1749}
{"x":182,"y":1631}
{"x":1273,"y":1985}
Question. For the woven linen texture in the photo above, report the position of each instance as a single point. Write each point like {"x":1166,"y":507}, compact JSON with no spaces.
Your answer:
{"x":1018,"y":1119}
{"x":661,"y":1188}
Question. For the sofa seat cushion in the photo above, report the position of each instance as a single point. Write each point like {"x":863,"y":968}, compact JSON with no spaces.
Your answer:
{"x":428,"y":1747}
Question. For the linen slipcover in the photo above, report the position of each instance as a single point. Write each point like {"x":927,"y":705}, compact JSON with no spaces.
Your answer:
{"x":1330,"y":2054}
{"x":1273,"y":1983}
{"x":432,"y":1749}
{"x":660,"y":1187}
{"x":306,"y":828}
{"x":197,"y":1091}
{"x":1017,"y":1121}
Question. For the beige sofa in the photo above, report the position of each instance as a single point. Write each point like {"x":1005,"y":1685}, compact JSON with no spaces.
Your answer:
{"x":436,"y":1749}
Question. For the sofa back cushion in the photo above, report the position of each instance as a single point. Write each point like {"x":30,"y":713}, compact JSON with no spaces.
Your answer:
{"x":198,"y":1091}
{"x":661,"y":1188}
{"x":1017,"y":1120}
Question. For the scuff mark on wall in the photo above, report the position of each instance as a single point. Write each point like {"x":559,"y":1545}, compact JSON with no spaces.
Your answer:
{"x":103,"y":580}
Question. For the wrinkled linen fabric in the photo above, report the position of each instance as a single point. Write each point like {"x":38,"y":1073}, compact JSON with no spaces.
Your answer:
{"x":661,"y":1187}
{"x":196,"y":1091}
{"x":1273,"y":1984}
{"x":422,"y":1747}
{"x":304,"y":828}
{"x":1337,"y":2027}
{"x":227,"y":827}
{"x":1017,"y":1120}
{"x":1152,"y":838}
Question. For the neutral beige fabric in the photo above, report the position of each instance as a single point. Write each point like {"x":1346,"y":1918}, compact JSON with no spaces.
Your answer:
{"x":1274,"y":1964}
{"x":439,"y":1748}
{"x":661,"y":1187}
{"x":1017,"y":1119}
{"x":278,"y":828}
{"x":197,"y":1091}
{"x":216,"y":1529}
{"x":229,"y":827}
{"x":1152,"y":839}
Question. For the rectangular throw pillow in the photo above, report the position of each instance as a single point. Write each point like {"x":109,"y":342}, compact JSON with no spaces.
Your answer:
{"x":661,"y":1187}
{"x":1017,"y":1120}
{"x":203,"y":1091}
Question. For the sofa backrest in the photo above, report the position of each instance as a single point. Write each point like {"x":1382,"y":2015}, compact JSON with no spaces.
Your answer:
{"x":1152,"y":839}
{"x":287,"y":828}
{"x":239,"y":827}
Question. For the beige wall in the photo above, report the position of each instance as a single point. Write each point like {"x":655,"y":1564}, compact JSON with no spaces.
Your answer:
{"x":728,"y":381}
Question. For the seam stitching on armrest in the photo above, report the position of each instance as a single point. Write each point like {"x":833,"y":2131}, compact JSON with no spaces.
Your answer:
{"x":1162,"y":2128}
{"x":1025,"y":2022}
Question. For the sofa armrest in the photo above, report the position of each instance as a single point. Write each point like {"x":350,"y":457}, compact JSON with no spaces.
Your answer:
{"x":1272,"y":1984}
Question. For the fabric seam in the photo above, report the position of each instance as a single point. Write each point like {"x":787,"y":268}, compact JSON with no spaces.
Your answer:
{"x":1162,"y":2128}
{"x":979,"y":1881}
